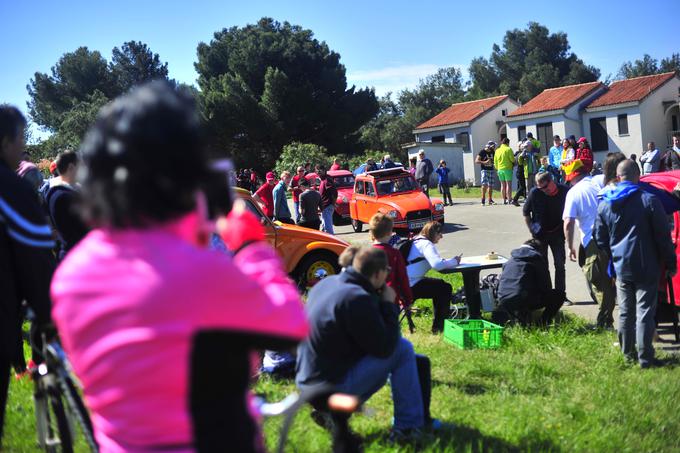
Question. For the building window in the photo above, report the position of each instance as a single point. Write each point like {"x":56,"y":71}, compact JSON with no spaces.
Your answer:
{"x":464,"y":139}
{"x":438,"y":139}
{"x":598,"y":134}
{"x":544,"y":132}
{"x":674,"y":122}
{"x":504,"y":112}
{"x":623,"y":124}
{"x":521,"y":133}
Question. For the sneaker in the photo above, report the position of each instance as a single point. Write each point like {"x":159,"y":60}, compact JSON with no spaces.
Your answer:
{"x":515,"y":203}
{"x":483,"y":201}
{"x":405,"y":436}
{"x":491,"y":202}
{"x":567,"y":302}
{"x":435,"y":425}
{"x":505,"y":202}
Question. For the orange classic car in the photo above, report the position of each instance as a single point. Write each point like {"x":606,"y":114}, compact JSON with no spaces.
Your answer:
{"x":396,"y":193}
{"x":309,"y":255}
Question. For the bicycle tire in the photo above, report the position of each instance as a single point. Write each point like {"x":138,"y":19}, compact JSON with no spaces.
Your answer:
{"x":63,"y":428}
{"x":78,"y":409}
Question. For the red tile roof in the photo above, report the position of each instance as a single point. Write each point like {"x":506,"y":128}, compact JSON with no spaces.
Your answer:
{"x":557,"y":98}
{"x":631,"y":90}
{"x":463,"y":112}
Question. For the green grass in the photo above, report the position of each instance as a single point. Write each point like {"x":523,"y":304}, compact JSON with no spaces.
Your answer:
{"x":566,"y":388}
{"x":473,"y":192}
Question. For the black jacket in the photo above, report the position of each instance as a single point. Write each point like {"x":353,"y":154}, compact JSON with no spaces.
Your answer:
{"x":26,"y":260}
{"x":348,"y":321}
{"x":525,"y":276}
{"x":61,"y":202}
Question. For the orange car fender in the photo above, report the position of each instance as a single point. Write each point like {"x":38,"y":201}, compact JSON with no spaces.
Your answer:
{"x":311,"y":247}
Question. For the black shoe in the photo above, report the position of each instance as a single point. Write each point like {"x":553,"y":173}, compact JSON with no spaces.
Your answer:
{"x":515,"y":203}
{"x":655,"y":363}
{"x":483,"y":201}
{"x":491,"y":202}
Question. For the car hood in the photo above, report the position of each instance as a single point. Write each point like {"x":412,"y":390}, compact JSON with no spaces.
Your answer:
{"x":308,"y":233}
{"x":410,"y":201}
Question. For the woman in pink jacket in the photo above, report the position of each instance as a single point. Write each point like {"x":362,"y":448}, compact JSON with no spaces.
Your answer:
{"x":160,"y":329}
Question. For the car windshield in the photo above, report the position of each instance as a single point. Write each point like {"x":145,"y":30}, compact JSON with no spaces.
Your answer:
{"x":343,"y":181}
{"x":396,"y":185}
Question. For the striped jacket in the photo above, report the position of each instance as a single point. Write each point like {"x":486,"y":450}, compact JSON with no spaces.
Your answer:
{"x":26,"y":259}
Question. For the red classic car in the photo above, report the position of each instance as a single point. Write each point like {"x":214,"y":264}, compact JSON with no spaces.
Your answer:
{"x":344,"y":182}
{"x":395,"y":193}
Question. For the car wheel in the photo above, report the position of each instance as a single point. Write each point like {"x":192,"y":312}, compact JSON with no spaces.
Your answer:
{"x":316,"y":266}
{"x":357,"y":225}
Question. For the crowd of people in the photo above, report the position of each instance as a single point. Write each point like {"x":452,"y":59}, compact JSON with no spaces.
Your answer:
{"x":161,"y":330}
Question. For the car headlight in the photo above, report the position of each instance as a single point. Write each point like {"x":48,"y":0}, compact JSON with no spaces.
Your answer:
{"x":393,"y":214}
{"x":439,"y":206}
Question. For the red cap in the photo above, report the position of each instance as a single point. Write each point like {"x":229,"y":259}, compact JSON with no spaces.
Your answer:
{"x":581,"y":140}
{"x":53,"y":166}
{"x":270,"y":176}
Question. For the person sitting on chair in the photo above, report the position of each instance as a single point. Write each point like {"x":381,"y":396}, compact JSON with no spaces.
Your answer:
{"x":525,"y":286}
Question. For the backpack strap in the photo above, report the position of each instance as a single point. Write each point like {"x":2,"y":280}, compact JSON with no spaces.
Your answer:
{"x":418,"y":259}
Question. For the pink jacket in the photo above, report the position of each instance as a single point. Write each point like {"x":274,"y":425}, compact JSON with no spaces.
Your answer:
{"x":127,"y":303}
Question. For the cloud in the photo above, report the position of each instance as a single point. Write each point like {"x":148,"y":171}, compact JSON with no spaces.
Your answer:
{"x":394,"y":78}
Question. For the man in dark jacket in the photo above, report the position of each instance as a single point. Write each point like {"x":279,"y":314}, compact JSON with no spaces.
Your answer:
{"x":631,"y":225}
{"x":543,"y":216}
{"x":26,"y":261}
{"x":62,"y":200}
{"x":424,"y":169}
{"x":355,"y":342}
{"x":525,"y":286}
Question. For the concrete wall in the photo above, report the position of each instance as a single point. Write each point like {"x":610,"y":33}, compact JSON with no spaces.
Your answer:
{"x":449,"y":152}
{"x":628,"y":144}
{"x":654,"y":127}
{"x":560,"y":125}
{"x":484,"y":129}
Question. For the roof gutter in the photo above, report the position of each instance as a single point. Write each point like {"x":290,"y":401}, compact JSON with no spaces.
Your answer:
{"x":441,"y":128}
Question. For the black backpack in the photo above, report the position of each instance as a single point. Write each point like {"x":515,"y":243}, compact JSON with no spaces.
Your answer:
{"x":404,"y":247}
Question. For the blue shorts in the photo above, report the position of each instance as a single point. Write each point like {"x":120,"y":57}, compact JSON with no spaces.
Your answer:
{"x":487,"y":177}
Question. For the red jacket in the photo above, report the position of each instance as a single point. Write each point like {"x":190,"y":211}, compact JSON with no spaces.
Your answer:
{"x":586,"y":157}
{"x":398,"y":279}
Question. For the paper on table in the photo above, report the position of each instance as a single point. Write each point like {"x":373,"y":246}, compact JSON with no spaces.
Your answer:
{"x":470,"y":261}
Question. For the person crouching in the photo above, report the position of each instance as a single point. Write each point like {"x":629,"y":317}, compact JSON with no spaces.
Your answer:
{"x":525,"y":286}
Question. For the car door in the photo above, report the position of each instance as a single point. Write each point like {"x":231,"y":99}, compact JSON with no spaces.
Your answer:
{"x":269,"y":227}
{"x":366,"y":207}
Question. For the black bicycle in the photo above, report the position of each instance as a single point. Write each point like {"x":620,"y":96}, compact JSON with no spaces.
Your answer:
{"x":59,"y":410}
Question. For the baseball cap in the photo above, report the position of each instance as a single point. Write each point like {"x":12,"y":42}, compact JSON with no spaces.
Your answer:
{"x":270,"y":176}
{"x":490,"y":143}
{"x":581,"y":140}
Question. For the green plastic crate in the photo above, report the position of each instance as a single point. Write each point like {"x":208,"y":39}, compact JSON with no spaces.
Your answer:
{"x":473,"y":333}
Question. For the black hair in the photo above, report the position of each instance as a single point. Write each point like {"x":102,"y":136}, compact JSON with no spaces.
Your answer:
{"x":65,"y":159}
{"x":505,"y":141}
{"x":144,"y":158}
{"x":12,"y":122}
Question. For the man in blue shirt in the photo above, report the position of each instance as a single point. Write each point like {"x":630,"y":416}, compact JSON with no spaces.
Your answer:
{"x":631,"y":226}
{"x":281,"y":209}
{"x":555,"y":153}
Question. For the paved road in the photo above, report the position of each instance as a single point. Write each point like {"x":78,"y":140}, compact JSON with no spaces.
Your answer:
{"x":474,"y":229}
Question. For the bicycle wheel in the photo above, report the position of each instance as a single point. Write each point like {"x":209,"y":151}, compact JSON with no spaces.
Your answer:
{"x":78,"y":411}
{"x":59,"y":428}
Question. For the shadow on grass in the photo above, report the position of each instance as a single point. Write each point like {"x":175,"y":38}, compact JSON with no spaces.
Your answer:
{"x":466,"y":439}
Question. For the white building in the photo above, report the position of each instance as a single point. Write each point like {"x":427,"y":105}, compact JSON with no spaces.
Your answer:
{"x":555,"y":111}
{"x":632,"y":113}
{"x":461,"y":131}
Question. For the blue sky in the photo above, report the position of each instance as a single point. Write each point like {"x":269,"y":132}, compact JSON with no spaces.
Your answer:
{"x":389,"y":45}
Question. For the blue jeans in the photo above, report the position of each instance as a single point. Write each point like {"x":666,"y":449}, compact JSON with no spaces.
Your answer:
{"x":371,"y":373}
{"x":637,"y":309}
{"x":296,"y":208}
{"x":327,"y":219}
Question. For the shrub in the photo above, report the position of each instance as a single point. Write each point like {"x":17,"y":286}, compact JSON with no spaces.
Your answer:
{"x":296,"y":154}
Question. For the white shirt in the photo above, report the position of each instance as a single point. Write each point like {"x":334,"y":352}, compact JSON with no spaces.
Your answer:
{"x":581,"y":204}
{"x":422,"y":247}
